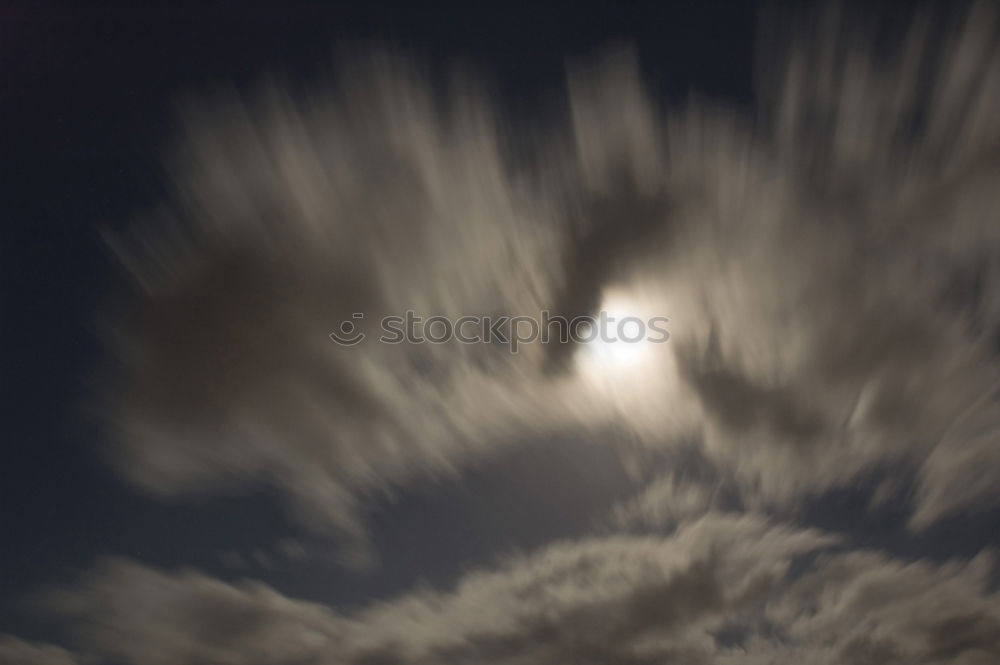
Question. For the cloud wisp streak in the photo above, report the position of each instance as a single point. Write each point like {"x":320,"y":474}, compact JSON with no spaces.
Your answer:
{"x":723,"y":588}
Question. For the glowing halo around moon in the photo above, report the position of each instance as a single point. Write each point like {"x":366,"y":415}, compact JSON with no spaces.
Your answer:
{"x":619,"y":336}
{"x":631,"y":369}
{"x":619,"y":345}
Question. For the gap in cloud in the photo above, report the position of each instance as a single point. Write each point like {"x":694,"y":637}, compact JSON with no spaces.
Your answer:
{"x":519,"y":500}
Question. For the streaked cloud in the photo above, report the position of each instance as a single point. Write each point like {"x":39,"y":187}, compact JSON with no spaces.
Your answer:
{"x":14,"y":651}
{"x":811,"y":264}
{"x":723,"y":588}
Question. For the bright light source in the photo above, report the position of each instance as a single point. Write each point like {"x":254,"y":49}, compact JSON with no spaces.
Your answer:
{"x":619,"y":338}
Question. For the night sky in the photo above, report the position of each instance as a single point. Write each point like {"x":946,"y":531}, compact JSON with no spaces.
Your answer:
{"x":825,"y":409}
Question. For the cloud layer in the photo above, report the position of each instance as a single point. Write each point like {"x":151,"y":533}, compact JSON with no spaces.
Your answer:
{"x":14,"y":651}
{"x":829,"y":272}
{"x":828,"y":262}
{"x":724,"y":588}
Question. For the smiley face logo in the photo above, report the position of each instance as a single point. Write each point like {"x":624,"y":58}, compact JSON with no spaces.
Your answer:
{"x":348,"y":333}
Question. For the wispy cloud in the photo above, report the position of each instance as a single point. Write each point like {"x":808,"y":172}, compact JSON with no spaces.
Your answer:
{"x":828,"y":265}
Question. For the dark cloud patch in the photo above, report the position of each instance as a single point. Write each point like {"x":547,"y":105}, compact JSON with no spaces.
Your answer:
{"x":18,"y":652}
